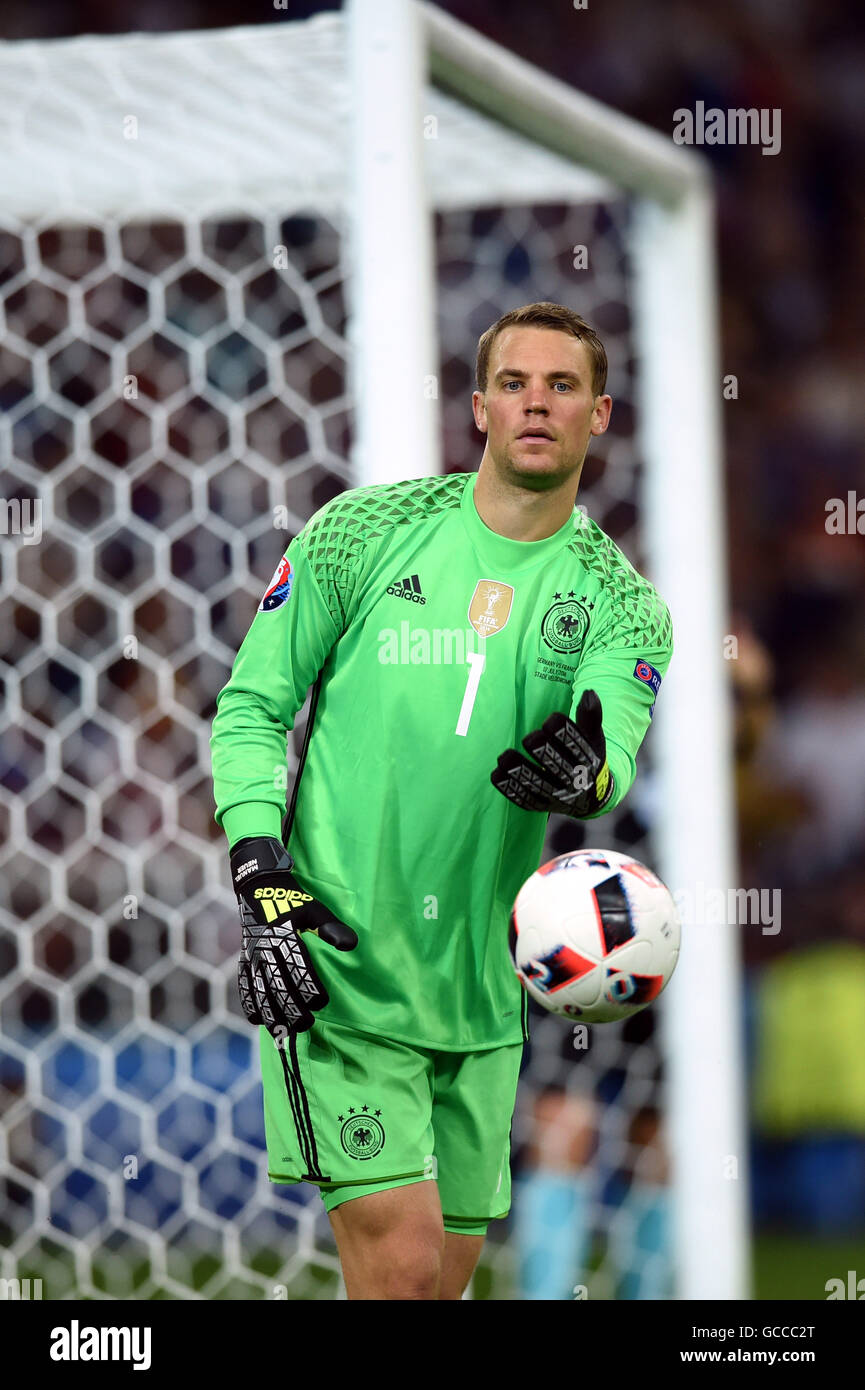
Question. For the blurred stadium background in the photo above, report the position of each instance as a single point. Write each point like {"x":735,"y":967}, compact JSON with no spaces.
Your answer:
{"x":122,"y":1040}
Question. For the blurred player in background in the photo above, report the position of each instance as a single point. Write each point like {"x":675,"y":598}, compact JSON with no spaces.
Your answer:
{"x":439,"y":620}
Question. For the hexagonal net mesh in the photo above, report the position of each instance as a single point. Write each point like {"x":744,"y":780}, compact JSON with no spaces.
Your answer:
{"x":174,"y":408}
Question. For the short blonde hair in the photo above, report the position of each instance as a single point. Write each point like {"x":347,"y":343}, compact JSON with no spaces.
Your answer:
{"x":545,"y":314}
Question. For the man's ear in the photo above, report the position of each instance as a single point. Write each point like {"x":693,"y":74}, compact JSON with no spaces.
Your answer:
{"x":601,"y":414}
{"x":479,"y":410}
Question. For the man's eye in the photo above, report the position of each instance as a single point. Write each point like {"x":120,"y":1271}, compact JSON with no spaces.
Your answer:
{"x":511,"y":383}
{"x":566,"y":384}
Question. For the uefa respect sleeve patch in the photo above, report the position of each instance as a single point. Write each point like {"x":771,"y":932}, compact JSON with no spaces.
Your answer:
{"x":279,"y":587}
{"x":649,"y":676}
{"x":644,"y":672}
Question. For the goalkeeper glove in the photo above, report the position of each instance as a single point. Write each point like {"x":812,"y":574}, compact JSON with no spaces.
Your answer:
{"x":278,"y":984}
{"x":573,"y":778}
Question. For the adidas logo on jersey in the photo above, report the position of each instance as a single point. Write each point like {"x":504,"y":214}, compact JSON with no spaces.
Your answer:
{"x":408,"y":588}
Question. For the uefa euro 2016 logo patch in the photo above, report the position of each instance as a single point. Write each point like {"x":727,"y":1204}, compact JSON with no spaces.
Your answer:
{"x":279,"y":587}
{"x":362,"y":1133}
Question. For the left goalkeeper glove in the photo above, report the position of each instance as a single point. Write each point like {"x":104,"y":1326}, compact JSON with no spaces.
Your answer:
{"x":278,"y":983}
{"x":573,"y":778}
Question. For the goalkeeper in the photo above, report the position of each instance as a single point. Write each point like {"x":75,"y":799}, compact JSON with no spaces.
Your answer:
{"x":481,"y":654}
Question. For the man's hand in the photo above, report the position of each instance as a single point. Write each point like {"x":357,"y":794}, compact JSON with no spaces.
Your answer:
{"x":279,"y":986}
{"x":573,"y":778}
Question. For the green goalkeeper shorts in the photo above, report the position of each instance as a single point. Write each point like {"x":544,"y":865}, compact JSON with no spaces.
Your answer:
{"x":355,"y":1113}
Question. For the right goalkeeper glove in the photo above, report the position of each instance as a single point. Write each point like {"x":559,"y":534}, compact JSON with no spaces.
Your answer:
{"x":278,"y":984}
{"x":573,"y":778}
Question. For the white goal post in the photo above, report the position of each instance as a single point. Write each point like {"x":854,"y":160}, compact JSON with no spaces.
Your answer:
{"x":676,"y":328}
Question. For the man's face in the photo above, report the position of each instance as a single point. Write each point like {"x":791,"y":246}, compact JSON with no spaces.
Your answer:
{"x":538,"y":411}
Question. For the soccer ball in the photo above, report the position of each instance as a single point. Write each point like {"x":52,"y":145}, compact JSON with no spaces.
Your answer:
{"x":594,"y":935}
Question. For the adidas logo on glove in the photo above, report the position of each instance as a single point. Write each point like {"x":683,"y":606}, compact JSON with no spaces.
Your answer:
{"x":275,"y":902}
{"x":290,"y":895}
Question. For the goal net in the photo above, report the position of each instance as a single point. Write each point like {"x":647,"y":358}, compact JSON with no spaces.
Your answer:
{"x":177,"y":399}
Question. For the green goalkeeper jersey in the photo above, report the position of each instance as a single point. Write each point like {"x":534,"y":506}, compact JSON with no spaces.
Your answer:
{"x":436,"y":644}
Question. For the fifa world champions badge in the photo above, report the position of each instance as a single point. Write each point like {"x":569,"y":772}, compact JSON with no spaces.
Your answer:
{"x":490,"y":607}
{"x":279,"y":587}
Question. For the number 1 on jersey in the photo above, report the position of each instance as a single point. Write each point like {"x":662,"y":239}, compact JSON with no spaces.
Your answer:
{"x":476,"y":662}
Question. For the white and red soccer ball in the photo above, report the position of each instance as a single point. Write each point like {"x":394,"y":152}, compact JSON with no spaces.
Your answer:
{"x":594,"y":935}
